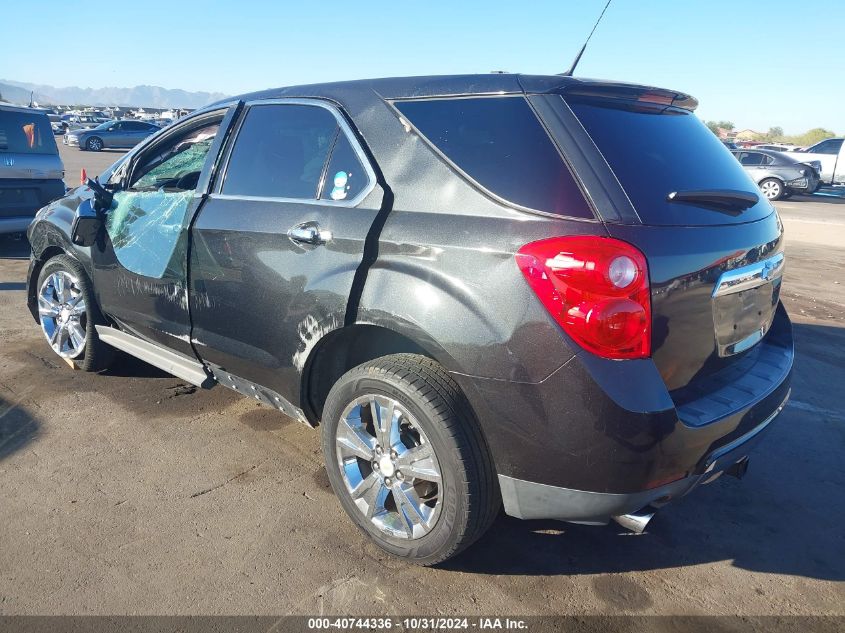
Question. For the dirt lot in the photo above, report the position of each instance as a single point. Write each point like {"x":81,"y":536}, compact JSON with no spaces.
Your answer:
{"x":130,"y":492}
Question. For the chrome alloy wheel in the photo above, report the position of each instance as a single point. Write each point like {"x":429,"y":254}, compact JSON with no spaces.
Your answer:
{"x":61,"y":309}
{"x":771,"y":189}
{"x":389,"y":467}
{"x":95,"y":144}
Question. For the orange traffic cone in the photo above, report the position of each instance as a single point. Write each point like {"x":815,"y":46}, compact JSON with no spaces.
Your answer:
{"x":83,"y":177}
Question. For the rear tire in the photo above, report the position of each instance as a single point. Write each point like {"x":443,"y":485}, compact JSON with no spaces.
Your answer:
{"x":772,"y":189}
{"x":60,"y":309}
{"x":441,"y":504}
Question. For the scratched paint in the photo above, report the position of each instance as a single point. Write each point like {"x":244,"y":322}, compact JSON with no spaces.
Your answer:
{"x":310,"y":331}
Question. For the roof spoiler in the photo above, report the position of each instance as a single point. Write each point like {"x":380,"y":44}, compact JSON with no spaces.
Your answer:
{"x":629,"y":92}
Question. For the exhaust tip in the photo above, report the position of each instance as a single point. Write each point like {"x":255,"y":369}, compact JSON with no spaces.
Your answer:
{"x":635,"y":521}
{"x":738,"y":469}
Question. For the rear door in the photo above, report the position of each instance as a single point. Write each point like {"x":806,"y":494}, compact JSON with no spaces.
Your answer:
{"x":276,"y":247}
{"x":715,"y":271}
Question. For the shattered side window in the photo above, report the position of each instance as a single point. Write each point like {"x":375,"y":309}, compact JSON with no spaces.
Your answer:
{"x":145,"y":228}
{"x":179,"y":165}
{"x":147,"y":223}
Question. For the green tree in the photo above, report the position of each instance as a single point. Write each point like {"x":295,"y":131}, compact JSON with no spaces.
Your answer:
{"x":810,"y":137}
{"x":716,"y":125}
{"x":775,"y":133}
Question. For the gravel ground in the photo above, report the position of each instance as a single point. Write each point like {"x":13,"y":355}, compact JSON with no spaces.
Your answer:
{"x":133,"y":493}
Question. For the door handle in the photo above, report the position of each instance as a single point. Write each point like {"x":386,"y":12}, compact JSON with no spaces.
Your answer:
{"x":309,"y":233}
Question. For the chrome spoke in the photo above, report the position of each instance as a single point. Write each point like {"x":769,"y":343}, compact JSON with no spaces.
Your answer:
{"x":372,"y":493}
{"x":47,"y":307}
{"x":409,"y":506}
{"x":356,"y":441}
{"x":58,"y":338}
{"x":59,"y":286}
{"x":76,"y":333}
{"x":386,"y":421}
{"x":419,"y":463}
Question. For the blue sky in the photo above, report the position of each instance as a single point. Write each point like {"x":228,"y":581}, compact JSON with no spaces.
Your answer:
{"x":757,"y":63}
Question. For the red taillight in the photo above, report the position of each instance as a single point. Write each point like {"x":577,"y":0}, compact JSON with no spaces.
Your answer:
{"x":596,"y":288}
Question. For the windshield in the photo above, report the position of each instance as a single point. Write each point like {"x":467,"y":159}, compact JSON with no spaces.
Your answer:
{"x":656,"y":150}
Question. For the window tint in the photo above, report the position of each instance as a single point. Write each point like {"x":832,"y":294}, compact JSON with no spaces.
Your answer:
{"x":751,"y":158}
{"x":828,"y":147}
{"x":280,"y":151}
{"x":345,"y":176}
{"x":655,"y":150}
{"x":25,"y":133}
{"x":501,"y":145}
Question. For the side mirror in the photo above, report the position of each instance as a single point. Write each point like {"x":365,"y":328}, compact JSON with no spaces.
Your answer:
{"x":86,"y":225}
{"x":89,"y":215}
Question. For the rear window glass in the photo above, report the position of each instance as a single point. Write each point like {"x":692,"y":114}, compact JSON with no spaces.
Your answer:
{"x":499,"y":143}
{"x":25,"y":133}
{"x":656,"y":150}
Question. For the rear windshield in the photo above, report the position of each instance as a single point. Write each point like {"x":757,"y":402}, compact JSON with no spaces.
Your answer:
{"x":499,"y":143}
{"x":25,"y":133}
{"x":655,"y":151}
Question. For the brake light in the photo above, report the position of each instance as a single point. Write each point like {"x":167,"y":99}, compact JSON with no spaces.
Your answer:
{"x":596,"y":288}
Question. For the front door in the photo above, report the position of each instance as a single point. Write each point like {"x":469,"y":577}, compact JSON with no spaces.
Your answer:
{"x":140,"y":267}
{"x":276,"y":246}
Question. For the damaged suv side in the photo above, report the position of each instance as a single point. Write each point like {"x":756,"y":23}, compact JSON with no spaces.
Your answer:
{"x":488,"y":290}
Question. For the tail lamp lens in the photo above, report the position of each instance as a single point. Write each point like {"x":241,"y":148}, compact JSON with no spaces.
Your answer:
{"x":596,"y":288}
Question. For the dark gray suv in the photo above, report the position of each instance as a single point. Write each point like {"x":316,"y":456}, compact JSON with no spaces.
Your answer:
{"x":489,"y":290}
{"x":31,"y":171}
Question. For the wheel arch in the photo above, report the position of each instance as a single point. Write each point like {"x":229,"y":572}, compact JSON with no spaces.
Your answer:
{"x":344,"y":348}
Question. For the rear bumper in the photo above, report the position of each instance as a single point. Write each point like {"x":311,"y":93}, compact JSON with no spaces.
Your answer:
{"x":531,"y":500}
{"x":16,"y":224}
{"x":601,"y":438}
{"x":806,"y":185}
{"x":20,"y":199}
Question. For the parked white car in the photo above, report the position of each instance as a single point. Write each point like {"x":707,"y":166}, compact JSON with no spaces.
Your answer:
{"x":831,"y":154}
{"x":777,"y":147}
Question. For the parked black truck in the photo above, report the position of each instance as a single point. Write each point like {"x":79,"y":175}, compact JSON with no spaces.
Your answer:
{"x":488,"y":289}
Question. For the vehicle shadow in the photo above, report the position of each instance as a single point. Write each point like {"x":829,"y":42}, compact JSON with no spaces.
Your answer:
{"x":825,"y":195}
{"x":17,"y":428}
{"x":126,"y":366}
{"x":784,"y":517}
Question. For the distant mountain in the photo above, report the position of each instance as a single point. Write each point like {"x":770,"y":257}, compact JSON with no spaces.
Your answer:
{"x":137,"y":97}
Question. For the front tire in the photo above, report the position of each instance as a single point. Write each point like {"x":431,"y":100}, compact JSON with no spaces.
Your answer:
{"x":94,"y":144}
{"x":407,"y":460}
{"x":68,"y":314}
{"x":772,"y":189}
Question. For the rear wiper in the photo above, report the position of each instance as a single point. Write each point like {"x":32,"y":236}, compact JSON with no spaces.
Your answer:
{"x":728,"y":201}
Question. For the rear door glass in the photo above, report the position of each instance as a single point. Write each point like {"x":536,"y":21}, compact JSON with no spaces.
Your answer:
{"x":24,"y":133}
{"x":280,"y":151}
{"x":499,"y":143}
{"x":345,"y":176}
{"x":656,"y":150}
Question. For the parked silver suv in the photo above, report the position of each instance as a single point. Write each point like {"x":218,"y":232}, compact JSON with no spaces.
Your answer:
{"x":31,"y":171}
